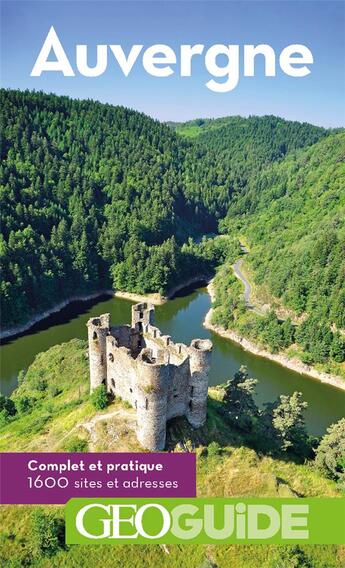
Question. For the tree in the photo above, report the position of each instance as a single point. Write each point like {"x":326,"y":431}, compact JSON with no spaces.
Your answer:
{"x":21,"y":376}
{"x":213,"y":449}
{"x":272,"y":332}
{"x":76,"y":444}
{"x":285,"y":423}
{"x":330,"y":455}
{"x":240,"y":407}
{"x":290,"y":557}
{"x":7,"y":405}
{"x":99,"y":397}
{"x":337,"y":351}
{"x":24,"y":404}
{"x":47,"y":533}
{"x":288,"y":331}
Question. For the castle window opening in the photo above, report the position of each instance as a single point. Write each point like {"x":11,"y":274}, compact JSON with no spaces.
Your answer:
{"x":111,"y":357}
{"x":130,"y":390}
{"x":191,"y":391}
{"x":112,"y":383}
{"x":94,"y":336}
{"x":141,"y":315}
{"x":190,"y":405}
{"x":146,"y":404}
{"x":140,"y":326}
{"x":154,"y":334}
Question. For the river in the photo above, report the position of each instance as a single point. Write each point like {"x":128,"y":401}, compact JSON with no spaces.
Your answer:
{"x":182,"y":318}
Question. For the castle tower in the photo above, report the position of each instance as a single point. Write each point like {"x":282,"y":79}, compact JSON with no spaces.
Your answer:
{"x":152,"y":396}
{"x":98,"y":329}
{"x":200,"y":360}
{"x":142,"y":316}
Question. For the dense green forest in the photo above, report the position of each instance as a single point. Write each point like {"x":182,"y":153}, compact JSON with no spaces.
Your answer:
{"x":227,"y":153}
{"x":288,"y":203}
{"x":293,"y":216}
{"x":91,"y":197}
{"x":95,"y":196}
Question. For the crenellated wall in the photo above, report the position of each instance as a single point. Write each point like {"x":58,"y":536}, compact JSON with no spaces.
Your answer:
{"x":159,"y":378}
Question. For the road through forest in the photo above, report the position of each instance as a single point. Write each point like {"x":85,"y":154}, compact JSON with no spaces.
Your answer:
{"x":247,"y":286}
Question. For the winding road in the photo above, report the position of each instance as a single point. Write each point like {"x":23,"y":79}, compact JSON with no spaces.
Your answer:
{"x":247,"y":286}
{"x":238,"y":273}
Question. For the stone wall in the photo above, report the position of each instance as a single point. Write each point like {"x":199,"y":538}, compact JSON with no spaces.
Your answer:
{"x":122,"y":372}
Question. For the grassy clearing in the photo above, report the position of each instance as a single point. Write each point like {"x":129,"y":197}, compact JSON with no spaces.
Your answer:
{"x":56,"y":386}
{"x":228,"y":467}
{"x":15,"y":552}
{"x":199,"y":126}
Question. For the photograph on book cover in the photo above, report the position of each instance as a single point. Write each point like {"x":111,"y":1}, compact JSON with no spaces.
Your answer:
{"x":173,"y":283}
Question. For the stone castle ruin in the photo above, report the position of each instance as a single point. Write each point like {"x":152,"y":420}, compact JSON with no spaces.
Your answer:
{"x":159,"y":378}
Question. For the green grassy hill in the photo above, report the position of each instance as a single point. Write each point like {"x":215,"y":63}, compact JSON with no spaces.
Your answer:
{"x":200,"y":126}
{"x":54,"y":408}
{"x":56,"y":414}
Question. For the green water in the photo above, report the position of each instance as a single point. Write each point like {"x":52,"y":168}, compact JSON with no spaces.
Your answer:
{"x":181,"y":318}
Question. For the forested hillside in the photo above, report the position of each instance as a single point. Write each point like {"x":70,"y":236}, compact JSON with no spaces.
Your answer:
{"x":95,"y":196}
{"x":228,"y":152}
{"x":293,"y":216}
{"x":91,"y":197}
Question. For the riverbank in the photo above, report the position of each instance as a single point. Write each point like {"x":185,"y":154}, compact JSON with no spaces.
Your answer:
{"x":158,"y":299}
{"x":17,"y":330}
{"x":155,"y":299}
{"x":292,"y":364}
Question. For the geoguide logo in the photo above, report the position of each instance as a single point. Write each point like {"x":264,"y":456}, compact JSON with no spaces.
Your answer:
{"x":205,"y":521}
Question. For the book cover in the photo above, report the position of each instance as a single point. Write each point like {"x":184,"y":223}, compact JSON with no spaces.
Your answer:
{"x":173,"y":284}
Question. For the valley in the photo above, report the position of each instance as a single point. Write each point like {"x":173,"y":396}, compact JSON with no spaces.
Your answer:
{"x":96,"y":197}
